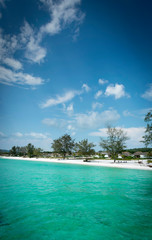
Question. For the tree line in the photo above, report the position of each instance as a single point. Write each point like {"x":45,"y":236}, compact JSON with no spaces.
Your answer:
{"x":114,"y":144}
{"x":28,"y":150}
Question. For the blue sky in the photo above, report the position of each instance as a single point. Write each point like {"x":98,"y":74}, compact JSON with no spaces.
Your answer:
{"x":73,"y":67}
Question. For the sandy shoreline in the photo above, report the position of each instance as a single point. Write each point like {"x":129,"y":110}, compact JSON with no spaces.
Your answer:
{"x":100,"y":162}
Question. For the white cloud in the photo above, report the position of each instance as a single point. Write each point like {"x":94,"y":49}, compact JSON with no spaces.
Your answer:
{"x":76,"y":33}
{"x":7,"y":76}
{"x":29,"y":79}
{"x":117,"y":90}
{"x":148,"y":94}
{"x":36,"y":135}
{"x":126,"y":113}
{"x":30,"y":41}
{"x":70,"y":127}
{"x":95,"y":119}
{"x":35,"y":52}
{"x":54,"y":122}
{"x":70,"y":109}
{"x":18,"y":134}
{"x":61,"y":124}
{"x":15,"y":64}
{"x":86,"y":87}
{"x":134,"y":133}
{"x":62,"y":14}
{"x":32,"y":135}
{"x":100,"y":133}
{"x":73,"y":133}
{"x":2,"y":2}
{"x":102,"y":81}
{"x":8,"y":45}
{"x":2,"y":135}
{"x":96,"y":105}
{"x":98,"y":94}
{"x":60,"y":99}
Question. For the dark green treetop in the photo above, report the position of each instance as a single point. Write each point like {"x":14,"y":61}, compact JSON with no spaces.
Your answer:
{"x":115,"y":142}
{"x":84,"y":148}
{"x":63,"y":145}
{"x":148,"y":132}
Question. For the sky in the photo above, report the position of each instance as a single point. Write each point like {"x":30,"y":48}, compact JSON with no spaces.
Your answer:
{"x":74,"y":67}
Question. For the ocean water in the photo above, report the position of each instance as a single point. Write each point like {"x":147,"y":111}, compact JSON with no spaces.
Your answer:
{"x":61,"y":201}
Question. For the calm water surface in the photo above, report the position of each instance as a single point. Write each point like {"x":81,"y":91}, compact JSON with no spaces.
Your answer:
{"x":62,"y":201}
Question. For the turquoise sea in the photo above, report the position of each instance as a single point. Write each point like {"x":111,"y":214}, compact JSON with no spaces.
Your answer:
{"x":61,"y":201}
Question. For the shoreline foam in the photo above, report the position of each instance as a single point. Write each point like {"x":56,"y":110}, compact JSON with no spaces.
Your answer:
{"x":99,"y":163}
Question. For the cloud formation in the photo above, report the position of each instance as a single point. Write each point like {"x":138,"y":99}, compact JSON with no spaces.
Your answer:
{"x":70,"y":109}
{"x":2,"y":135}
{"x":55,"y":122}
{"x":34,"y":135}
{"x":96,"y":119}
{"x":9,"y":77}
{"x":60,"y":99}
{"x":117,"y":90}
{"x":2,"y":2}
{"x":126,"y":113}
{"x":98,"y":94}
{"x":96,"y":105}
{"x":31,"y":43}
{"x":102,"y":81}
{"x":11,"y":72}
{"x":29,"y":40}
{"x":148,"y":94}
{"x":62,"y":14}
{"x":14,"y":64}
{"x":86,"y":87}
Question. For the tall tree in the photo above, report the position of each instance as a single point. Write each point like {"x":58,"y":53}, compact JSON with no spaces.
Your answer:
{"x":23,"y":151}
{"x":13,"y":151}
{"x":63,"y":145}
{"x":30,"y":150}
{"x":115,"y":142}
{"x":37,"y":152}
{"x":148,"y":132}
{"x":85,"y":148}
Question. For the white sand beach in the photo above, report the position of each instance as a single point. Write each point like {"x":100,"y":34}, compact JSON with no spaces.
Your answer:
{"x":100,"y":162}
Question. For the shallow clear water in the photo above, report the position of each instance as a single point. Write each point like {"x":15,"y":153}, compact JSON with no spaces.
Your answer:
{"x":61,"y":201}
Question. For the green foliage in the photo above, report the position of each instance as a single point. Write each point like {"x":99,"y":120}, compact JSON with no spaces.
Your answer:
{"x":13,"y":151}
{"x":84,"y":148}
{"x":115,"y":142}
{"x":149,"y":155}
{"x":28,"y":150}
{"x":4,"y":152}
{"x":127,"y":157}
{"x":148,"y":132}
{"x":133,"y":150}
{"x":37,"y":152}
{"x":63,"y":145}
